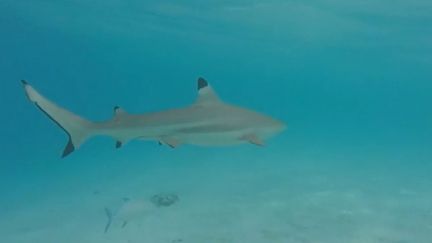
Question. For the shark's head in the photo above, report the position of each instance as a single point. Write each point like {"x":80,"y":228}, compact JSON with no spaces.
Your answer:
{"x":271,"y":128}
{"x":278,"y":126}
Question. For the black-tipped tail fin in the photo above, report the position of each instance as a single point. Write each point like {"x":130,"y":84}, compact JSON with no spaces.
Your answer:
{"x":68,"y":149}
{"x":77,"y":128}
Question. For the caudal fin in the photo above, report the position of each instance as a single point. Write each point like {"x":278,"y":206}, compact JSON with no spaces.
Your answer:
{"x":110,"y":217}
{"x":77,"y":128}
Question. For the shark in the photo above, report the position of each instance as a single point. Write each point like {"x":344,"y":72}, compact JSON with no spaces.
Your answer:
{"x":209,"y":121}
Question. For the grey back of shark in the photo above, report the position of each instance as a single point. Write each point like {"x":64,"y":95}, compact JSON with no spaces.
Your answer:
{"x":209,"y":121}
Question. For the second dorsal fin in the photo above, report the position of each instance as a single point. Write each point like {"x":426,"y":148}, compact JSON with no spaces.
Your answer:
{"x":118,"y":111}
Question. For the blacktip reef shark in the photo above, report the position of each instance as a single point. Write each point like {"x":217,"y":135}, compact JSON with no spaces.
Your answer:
{"x":209,"y":121}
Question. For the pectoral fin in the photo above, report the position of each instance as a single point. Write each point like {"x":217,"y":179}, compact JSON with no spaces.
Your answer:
{"x":170,"y":141}
{"x":253,"y":139}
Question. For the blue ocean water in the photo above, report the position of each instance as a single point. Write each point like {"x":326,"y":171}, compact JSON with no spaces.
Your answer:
{"x":352,"y":81}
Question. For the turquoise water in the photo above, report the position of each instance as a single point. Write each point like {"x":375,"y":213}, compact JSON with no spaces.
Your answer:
{"x":352,"y":80}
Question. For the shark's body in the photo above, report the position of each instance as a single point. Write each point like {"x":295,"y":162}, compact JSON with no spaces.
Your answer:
{"x":209,"y":121}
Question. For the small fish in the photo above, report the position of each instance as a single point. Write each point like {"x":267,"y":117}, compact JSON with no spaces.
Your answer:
{"x":131,"y":209}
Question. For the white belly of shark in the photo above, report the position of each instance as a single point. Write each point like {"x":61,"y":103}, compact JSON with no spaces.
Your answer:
{"x":208,"y":121}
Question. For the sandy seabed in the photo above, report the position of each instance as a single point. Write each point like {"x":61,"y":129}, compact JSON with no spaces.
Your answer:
{"x":264,"y":199}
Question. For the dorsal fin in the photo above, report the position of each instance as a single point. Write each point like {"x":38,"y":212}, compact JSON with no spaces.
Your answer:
{"x":206,"y":95}
{"x":118,"y":111}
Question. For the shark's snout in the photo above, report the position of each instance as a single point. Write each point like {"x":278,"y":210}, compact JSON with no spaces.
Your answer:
{"x":282,"y":126}
{"x":278,"y":125}
{"x":272,"y":128}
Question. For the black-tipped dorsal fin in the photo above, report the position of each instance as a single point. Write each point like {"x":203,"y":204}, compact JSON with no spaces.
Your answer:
{"x":202,"y":83}
{"x":206,"y":94}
